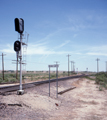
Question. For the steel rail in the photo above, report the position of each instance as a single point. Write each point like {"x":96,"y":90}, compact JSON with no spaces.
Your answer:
{"x":4,"y":89}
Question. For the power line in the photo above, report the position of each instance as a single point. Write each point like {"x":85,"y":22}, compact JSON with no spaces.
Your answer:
{"x":38,"y":62}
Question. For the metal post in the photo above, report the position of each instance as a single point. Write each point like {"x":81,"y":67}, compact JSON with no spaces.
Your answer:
{"x":2,"y":66}
{"x":106,"y":66}
{"x":20,"y":91}
{"x":74,"y":68}
{"x":57,"y":82}
{"x":87,"y":70}
{"x":77,"y":70}
{"x":71,"y":67}
{"x":97,"y":65}
{"x":21,"y":63}
{"x":68,"y":63}
{"x":17,"y":65}
{"x":49,"y":81}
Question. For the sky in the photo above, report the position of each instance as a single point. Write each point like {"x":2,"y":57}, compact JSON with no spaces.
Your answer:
{"x":56,"y":28}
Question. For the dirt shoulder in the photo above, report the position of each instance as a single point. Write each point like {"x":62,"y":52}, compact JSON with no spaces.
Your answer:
{"x":85,"y":102}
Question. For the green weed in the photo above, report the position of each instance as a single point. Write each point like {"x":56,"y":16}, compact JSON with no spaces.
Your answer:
{"x":101,"y":79}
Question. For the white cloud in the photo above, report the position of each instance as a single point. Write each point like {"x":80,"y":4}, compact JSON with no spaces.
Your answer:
{"x":98,"y":50}
{"x":62,"y":44}
{"x":44,"y":50}
{"x":37,"y":49}
{"x":96,"y":53}
{"x":7,"y":49}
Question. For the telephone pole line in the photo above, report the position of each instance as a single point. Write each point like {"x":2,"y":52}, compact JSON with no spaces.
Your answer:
{"x":97,"y":65}
{"x":3,"y":64}
{"x":68,"y":63}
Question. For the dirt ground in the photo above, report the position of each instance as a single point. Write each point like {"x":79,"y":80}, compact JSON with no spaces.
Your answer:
{"x":85,"y":102}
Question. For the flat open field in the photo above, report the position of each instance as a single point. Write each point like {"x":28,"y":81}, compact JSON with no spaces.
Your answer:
{"x":30,"y":76}
{"x":85,"y":102}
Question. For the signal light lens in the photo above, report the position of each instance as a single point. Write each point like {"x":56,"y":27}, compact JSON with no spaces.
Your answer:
{"x":19,"y":25}
{"x":17,"y":46}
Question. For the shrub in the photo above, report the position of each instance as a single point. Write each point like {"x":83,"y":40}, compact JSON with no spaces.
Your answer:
{"x":101,"y":79}
{"x":13,"y":80}
{"x":1,"y":80}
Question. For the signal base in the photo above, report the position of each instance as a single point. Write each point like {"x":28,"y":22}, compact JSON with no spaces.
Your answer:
{"x":20,"y":92}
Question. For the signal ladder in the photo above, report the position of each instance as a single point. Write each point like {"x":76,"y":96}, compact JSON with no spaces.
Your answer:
{"x":24,"y":51}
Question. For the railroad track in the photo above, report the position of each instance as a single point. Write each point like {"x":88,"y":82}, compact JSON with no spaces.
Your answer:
{"x":5,"y":89}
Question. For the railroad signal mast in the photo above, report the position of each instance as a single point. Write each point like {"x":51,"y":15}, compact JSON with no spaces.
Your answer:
{"x":19,"y":27}
{"x":25,"y":43}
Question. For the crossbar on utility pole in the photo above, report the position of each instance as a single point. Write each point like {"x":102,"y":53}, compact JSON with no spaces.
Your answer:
{"x":68,"y":63}
{"x":3,"y":65}
{"x":97,"y":65}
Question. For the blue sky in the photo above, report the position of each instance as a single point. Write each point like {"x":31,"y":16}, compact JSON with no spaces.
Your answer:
{"x":56,"y":28}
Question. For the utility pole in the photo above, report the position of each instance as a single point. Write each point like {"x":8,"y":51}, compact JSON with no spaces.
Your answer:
{"x":68,"y":63}
{"x":87,"y":70}
{"x":21,"y":91}
{"x":97,"y":65}
{"x":71,"y":67}
{"x":17,"y":65}
{"x":57,"y":70}
{"x":56,"y":62}
{"x":77,"y":70}
{"x":3,"y":65}
{"x":106,"y":66}
{"x":57,"y":79}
